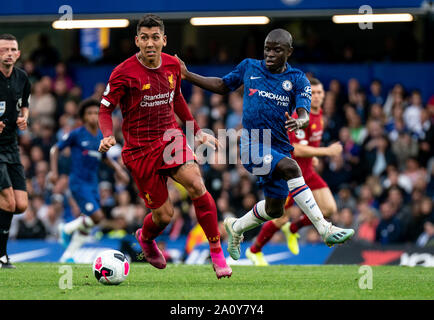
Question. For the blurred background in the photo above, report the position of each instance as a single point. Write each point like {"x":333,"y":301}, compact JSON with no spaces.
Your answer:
{"x":379,"y":104}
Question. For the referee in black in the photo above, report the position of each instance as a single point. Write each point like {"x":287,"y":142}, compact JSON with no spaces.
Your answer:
{"x":14,"y":111}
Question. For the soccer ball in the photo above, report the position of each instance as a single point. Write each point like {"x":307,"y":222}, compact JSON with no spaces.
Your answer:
{"x":111,"y":267}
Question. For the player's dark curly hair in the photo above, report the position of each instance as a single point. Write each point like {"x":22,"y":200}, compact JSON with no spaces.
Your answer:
{"x":149,"y":21}
{"x":86,"y":104}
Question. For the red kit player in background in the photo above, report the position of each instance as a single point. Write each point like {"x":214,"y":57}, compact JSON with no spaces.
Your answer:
{"x":147,"y":87}
{"x":306,"y":144}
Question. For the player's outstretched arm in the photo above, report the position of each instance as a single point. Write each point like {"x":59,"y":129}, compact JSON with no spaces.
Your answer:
{"x":301,"y":122}
{"x":212,"y":84}
{"x":303,"y":151}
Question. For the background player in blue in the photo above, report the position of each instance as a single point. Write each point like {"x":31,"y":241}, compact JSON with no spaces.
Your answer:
{"x":272,"y":91}
{"x":83,"y":179}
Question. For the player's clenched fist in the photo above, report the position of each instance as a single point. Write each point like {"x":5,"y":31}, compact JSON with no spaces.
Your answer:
{"x":106,"y":144}
{"x":2,"y":125}
{"x":335,"y":149}
{"x":22,"y":123}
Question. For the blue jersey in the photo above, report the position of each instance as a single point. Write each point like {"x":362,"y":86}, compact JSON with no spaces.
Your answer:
{"x":85,"y":158}
{"x":267,"y":96}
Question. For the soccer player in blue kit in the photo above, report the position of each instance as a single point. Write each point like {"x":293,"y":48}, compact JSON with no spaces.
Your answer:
{"x":83,"y":179}
{"x":272,"y":91}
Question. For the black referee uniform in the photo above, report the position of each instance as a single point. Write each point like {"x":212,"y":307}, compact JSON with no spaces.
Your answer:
{"x":14,"y":95}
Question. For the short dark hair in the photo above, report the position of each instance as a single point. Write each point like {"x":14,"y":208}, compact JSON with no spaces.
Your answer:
{"x":7,"y":36}
{"x":87,"y":104}
{"x":149,"y":21}
{"x":314,"y":82}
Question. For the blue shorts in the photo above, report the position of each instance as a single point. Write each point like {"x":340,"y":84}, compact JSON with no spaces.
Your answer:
{"x":87,"y":197}
{"x":262,"y":163}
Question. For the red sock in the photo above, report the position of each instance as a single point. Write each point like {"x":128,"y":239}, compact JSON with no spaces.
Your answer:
{"x":150,"y":230}
{"x":206,"y":213}
{"x":267,"y":231}
{"x":300,"y":223}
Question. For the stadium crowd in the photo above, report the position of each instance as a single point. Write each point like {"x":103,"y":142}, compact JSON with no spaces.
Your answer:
{"x":383,"y":182}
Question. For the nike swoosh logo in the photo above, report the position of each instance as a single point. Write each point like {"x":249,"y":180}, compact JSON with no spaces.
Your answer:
{"x":253,"y":78}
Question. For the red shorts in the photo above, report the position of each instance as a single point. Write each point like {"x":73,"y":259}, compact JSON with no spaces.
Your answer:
{"x":313,"y":181}
{"x":150,"y":169}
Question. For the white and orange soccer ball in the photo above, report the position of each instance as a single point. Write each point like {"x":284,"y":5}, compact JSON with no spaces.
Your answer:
{"x":111,"y":267}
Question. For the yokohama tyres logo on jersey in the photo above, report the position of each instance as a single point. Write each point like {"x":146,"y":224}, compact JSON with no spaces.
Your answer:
{"x":157,"y":100}
{"x":280,"y":99}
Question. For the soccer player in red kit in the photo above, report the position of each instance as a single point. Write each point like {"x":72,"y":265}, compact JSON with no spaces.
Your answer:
{"x":147,"y":87}
{"x":306,"y":144}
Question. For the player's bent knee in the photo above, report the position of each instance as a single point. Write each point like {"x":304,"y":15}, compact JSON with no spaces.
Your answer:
{"x":196,"y":188}
{"x":274,"y":213}
{"x":288,"y":169}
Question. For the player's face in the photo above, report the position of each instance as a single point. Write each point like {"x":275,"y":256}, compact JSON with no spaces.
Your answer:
{"x":91,"y":116}
{"x":9,"y":52}
{"x":275,"y":55}
{"x":151,"y":41}
{"x":317,"y":96}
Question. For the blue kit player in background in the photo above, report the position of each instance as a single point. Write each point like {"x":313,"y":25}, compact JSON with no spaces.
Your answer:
{"x":83,"y":179}
{"x":273,"y":90}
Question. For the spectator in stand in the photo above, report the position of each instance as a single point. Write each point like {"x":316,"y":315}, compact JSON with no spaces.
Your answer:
{"x":357,"y":130}
{"x":45,"y":54}
{"x":394,"y":98}
{"x":376,"y":155}
{"x":375,"y":93}
{"x":389,"y":228}
{"x":344,"y":198}
{"x":422,"y":214}
{"x":62,"y":75}
{"x":368,"y":222}
{"x":42,"y":103}
{"x":412,"y":114}
{"x":235,"y":115}
{"x":30,"y":226}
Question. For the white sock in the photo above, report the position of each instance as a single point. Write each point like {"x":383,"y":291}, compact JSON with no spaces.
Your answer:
{"x":252,"y":219}
{"x":303,"y":196}
{"x":83,"y":223}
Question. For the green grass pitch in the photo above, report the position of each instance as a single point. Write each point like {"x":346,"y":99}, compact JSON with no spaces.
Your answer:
{"x":184,"y":282}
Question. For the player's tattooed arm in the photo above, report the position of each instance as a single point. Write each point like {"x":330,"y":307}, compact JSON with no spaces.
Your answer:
{"x":212,"y":84}
{"x":301,"y":122}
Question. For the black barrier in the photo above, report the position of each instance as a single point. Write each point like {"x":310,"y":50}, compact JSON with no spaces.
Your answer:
{"x":376,"y":254}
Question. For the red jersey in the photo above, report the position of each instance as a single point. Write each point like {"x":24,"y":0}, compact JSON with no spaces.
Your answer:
{"x":148,"y":99}
{"x":311,"y":136}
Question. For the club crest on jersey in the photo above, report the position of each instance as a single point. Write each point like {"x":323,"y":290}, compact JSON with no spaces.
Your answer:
{"x":146,"y":86}
{"x":2,"y":107}
{"x":107,"y":89}
{"x":287,"y":85}
{"x":300,"y":134}
{"x":171,"y":83}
